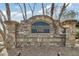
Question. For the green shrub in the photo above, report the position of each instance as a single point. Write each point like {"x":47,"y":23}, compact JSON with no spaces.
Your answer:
{"x":77,"y":35}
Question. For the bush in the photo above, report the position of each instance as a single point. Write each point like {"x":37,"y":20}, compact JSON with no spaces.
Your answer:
{"x":77,"y":35}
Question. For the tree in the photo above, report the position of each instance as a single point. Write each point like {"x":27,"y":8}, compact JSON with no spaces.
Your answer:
{"x":43,"y":11}
{"x":52,"y":9}
{"x":8,"y":11}
{"x":21,"y":10}
{"x":25,"y":11}
{"x":71,"y":14}
{"x":2,"y":23}
{"x":77,"y":30}
{"x":62,"y":10}
{"x":52,"y":13}
{"x":3,"y":32}
{"x":77,"y":25}
{"x":32,"y":9}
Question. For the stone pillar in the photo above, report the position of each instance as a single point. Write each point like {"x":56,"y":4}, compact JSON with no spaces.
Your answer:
{"x":11,"y":33}
{"x":70,"y":32}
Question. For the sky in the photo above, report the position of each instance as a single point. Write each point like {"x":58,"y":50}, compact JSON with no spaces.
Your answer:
{"x":17,"y":15}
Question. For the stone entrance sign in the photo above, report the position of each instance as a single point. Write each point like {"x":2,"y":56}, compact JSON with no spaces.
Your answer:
{"x":41,"y":30}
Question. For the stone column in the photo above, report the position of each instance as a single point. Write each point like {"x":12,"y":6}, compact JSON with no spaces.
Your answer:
{"x":11,"y":33}
{"x":70,"y":32}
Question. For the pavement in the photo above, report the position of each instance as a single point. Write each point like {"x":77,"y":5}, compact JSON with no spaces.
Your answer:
{"x":44,"y":51}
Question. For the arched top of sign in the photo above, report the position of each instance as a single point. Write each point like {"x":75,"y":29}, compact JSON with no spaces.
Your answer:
{"x":40,"y":27}
{"x":40,"y":23}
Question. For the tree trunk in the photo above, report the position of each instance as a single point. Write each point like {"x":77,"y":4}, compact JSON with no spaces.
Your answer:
{"x":52,"y":9}
{"x":32,"y":10}
{"x":62,"y":10}
{"x":43,"y":8}
{"x":25,"y":11}
{"x":8,"y":11}
{"x":21,"y":10}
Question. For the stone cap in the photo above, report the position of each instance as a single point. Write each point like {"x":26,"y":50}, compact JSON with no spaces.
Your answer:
{"x":40,"y":16}
{"x":69,"y":21}
{"x":66,"y":23}
{"x":11,"y":22}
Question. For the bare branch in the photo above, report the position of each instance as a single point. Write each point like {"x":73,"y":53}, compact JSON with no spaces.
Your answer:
{"x":43,"y":8}
{"x":25,"y":10}
{"x":52,"y":9}
{"x":21,"y":11}
{"x":32,"y":10}
{"x":62,"y":10}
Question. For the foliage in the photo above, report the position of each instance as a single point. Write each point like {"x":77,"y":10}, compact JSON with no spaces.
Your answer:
{"x":71,"y":14}
{"x":77,"y":30}
{"x":77,"y":35}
